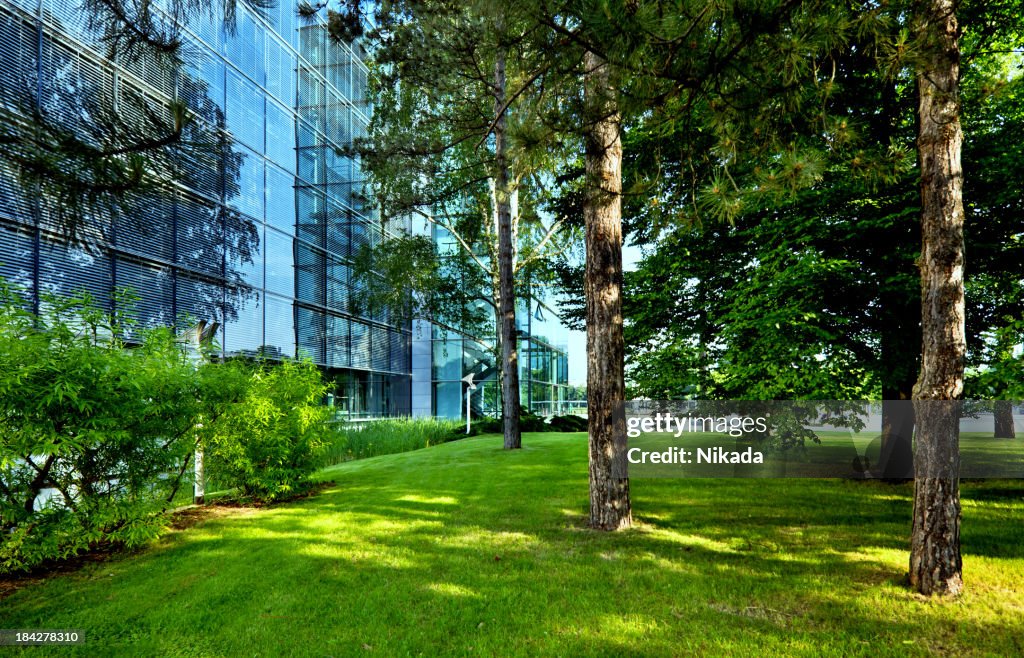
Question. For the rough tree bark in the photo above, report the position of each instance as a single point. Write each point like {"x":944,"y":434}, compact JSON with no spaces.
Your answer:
{"x":506,"y":268}
{"x":935,"y":562}
{"x":1003,"y":412}
{"x":602,"y":213}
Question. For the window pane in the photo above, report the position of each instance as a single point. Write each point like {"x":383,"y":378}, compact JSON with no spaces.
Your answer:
{"x":280,"y":264}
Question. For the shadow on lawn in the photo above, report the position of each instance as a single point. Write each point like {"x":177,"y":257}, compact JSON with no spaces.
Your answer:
{"x":452,"y":565}
{"x":442,"y":563}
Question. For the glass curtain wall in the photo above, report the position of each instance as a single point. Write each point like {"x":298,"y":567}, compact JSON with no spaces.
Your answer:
{"x":543,"y":360}
{"x":257,"y":240}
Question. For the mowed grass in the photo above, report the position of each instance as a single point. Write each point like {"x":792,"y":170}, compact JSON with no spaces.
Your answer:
{"x":465,"y":549}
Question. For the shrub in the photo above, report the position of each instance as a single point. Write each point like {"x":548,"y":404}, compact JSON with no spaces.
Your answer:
{"x":568,"y":423}
{"x":103,"y":429}
{"x":530,"y":422}
{"x":265,"y":433}
{"x":488,"y":425}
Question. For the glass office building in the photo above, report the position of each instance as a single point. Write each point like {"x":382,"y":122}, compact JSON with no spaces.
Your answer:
{"x":543,"y":367}
{"x":257,"y":240}
{"x":442,"y":356}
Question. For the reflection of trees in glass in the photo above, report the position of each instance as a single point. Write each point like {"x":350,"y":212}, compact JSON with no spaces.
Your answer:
{"x":102,"y":160}
{"x":132,"y":29}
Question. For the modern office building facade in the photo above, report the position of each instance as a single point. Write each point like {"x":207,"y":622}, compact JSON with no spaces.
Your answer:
{"x":442,"y":356}
{"x":257,"y":241}
{"x":447,"y":355}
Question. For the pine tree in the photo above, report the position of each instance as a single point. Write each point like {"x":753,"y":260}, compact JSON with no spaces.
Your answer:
{"x":936,"y":566}
{"x":455,"y":140}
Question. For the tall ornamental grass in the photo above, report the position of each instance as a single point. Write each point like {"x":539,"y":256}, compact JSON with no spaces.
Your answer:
{"x":359,"y":440}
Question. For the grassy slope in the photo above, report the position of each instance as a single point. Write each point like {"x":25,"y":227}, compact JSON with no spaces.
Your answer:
{"x":464,"y":549}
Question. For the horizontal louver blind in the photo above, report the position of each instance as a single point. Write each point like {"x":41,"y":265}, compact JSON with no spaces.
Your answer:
{"x":310,"y":330}
{"x":152,"y":287}
{"x":199,"y":235}
{"x":360,"y":345}
{"x":380,"y":349}
{"x":280,"y":327}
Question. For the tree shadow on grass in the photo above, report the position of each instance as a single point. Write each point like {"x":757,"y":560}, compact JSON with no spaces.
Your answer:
{"x":497,"y":561}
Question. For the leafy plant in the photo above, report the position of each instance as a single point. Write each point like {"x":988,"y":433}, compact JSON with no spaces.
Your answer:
{"x":265,"y":434}
{"x":94,"y":433}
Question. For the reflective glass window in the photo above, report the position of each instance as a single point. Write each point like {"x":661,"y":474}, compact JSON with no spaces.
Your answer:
{"x":310,"y":277}
{"x":245,"y":261}
{"x":311,"y":215}
{"x":280,"y":263}
{"x":310,"y":330}
{"x":447,"y":361}
{"x":448,"y":400}
{"x":281,"y":72}
{"x":199,"y":243}
{"x":280,"y":328}
{"x":337,"y":285}
{"x":338,"y":341}
{"x":246,"y":194}
{"x":245,"y":111}
{"x":360,"y":345}
{"x":244,"y":45}
{"x":281,"y":136}
{"x":280,"y":199}
{"x":243,"y":331}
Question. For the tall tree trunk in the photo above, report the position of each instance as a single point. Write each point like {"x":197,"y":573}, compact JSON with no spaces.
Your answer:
{"x":506,"y":268}
{"x":602,"y":213}
{"x":1003,"y":412}
{"x":935,"y":562}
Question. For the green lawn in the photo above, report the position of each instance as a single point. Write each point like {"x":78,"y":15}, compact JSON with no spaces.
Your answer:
{"x":464,"y":549}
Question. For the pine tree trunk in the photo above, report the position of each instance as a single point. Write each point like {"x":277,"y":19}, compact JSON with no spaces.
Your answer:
{"x":602,"y":212}
{"x":1004,"y":420}
{"x":935,"y":561}
{"x":506,"y":268}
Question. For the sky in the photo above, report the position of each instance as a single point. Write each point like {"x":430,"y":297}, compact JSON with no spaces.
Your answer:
{"x":631,"y":255}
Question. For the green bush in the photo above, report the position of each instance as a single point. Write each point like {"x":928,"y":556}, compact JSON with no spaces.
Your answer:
{"x":104,"y":429}
{"x":266,"y":433}
{"x":529,"y":422}
{"x":97,"y":432}
{"x":388,"y":436}
{"x":488,"y":425}
{"x":567,"y":424}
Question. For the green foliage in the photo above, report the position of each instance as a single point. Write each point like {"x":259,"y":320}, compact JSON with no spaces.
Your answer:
{"x":568,"y":423}
{"x":1001,"y":373}
{"x":489,"y":425}
{"x":530,"y":422}
{"x":817,"y":293}
{"x":389,"y":436}
{"x":347,"y":441}
{"x":93,"y":434}
{"x":97,"y":434}
{"x":266,"y":434}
